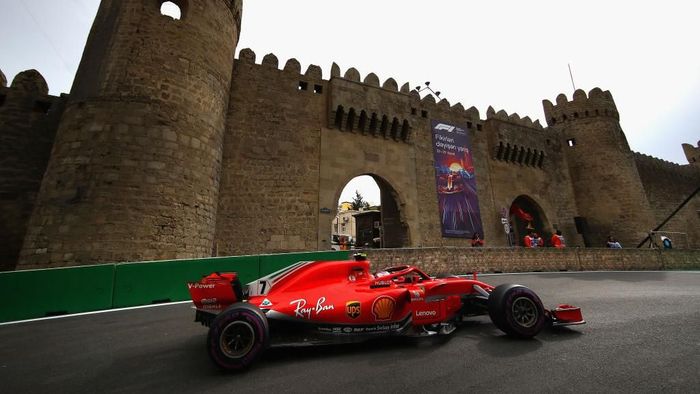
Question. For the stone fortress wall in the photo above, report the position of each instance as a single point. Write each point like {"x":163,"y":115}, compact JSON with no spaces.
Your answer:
{"x":168,"y":147}
{"x":29,"y":117}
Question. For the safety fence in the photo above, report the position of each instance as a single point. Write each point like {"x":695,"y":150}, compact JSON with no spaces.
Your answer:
{"x":60,"y":291}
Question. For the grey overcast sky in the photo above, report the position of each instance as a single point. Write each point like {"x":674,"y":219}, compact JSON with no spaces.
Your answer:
{"x":507,"y":54}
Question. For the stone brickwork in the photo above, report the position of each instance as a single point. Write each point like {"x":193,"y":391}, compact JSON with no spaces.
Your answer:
{"x":168,"y":147}
{"x":455,"y":260}
{"x":28,"y":120}
{"x":269,"y":189}
{"x":667,"y":185}
{"x":135,"y":168}
{"x":606,"y":183}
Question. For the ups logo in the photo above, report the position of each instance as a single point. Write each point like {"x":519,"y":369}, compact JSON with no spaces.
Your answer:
{"x":352,"y":309}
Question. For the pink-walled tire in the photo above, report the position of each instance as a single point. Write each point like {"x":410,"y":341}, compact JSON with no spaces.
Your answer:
{"x":237,"y":337}
{"x":516,"y":310}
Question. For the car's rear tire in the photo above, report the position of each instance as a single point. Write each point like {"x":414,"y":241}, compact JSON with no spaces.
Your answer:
{"x":516,"y":310}
{"x":237,"y":337}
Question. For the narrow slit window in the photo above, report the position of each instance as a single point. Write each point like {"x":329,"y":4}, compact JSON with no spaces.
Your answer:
{"x":395,"y":129}
{"x":339,"y":114}
{"x":571,"y":142}
{"x":350,"y":126}
{"x":42,"y":107}
{"x":363,"y":121}
{"x":384,"y":126}
{"x":373,"y":124}
{"x":405,"y":129}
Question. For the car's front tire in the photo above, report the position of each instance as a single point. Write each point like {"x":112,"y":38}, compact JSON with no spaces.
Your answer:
{"x":516,"y":310}
{"x":237,"y":337}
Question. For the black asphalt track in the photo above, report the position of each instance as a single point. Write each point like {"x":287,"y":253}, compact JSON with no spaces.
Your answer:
{"x":643,"y":335}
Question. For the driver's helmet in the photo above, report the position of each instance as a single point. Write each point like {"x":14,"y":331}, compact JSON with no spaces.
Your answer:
{"x":360,"y":256}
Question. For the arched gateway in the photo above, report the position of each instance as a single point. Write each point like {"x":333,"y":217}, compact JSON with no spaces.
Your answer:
{"x":387,"y":228}
{"x":526,"y":216}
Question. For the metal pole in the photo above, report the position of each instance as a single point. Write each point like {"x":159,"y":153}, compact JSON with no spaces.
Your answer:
{"x":572,"y":76}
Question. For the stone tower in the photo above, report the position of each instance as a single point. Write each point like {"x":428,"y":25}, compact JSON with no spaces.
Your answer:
{"x":607,"y":188}
{"x":135,"y":167}
{"x":29,"y":118}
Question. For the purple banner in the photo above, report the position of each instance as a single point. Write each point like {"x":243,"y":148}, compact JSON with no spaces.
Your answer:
{"x":455,"y":181}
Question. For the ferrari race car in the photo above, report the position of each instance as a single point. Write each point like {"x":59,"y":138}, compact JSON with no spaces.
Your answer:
{"x":320,"y":302}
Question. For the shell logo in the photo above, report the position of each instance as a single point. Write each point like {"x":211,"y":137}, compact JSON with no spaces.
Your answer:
{"x":383,"y":308}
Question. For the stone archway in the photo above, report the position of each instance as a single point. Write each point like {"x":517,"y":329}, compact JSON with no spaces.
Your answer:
{"x":526,"y":214}
{"x":389,"y":225}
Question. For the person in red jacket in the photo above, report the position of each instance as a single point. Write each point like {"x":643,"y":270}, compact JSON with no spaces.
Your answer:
{"x":537,"y":241}
{"x":528,"y":240}
{"x":558,"y":240}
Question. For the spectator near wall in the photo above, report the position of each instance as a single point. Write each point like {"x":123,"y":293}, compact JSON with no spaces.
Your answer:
{"x":558,"y":240}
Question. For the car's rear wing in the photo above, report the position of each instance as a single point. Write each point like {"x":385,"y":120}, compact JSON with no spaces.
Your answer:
{"x":215,"y":292}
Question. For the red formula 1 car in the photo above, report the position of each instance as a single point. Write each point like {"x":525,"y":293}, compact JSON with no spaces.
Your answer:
{"x":338,"y":301}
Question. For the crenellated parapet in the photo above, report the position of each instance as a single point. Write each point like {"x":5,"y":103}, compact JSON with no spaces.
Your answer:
{"x":692,"y":153}
{"x":28,"y":93}
{"x":427,"y":107}
{"x":513,"y":118}
{"x":3,"y":80}
{"x":368,"y":105}
{"x":247,"y":57}
{"x":31,"y":82}
{"x":597,"y":103}
{"x":665,"y":168}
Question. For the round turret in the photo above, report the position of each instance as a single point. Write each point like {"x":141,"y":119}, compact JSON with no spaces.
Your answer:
{"x":608,"y":190}
{"x":134,"y":172}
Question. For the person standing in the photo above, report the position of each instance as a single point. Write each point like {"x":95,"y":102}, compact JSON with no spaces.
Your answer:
{"x":477,"y":241}
{"x":613,"y":244}
{"x":558,"y":240}
{"x":666,"y":241}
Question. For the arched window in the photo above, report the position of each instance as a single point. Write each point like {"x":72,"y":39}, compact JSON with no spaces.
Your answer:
{"x":373,"y":124}
{"x":405,"y":128}
{"x":499,"y":152}
{"x":350,"y":125}
{"x":363,"y":121}
{"x":385,"y":125}
{"x":339,"y":114}
{"x":395,"y":129}
{"x":175,"y":9}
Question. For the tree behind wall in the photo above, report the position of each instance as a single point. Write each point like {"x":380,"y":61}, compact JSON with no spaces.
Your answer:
{"x":359,"y":202}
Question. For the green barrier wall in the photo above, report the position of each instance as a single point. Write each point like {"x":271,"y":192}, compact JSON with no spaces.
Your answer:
{"x":165,"y":281}
{"x":39,"y":293}
{"x":273,"y":262}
